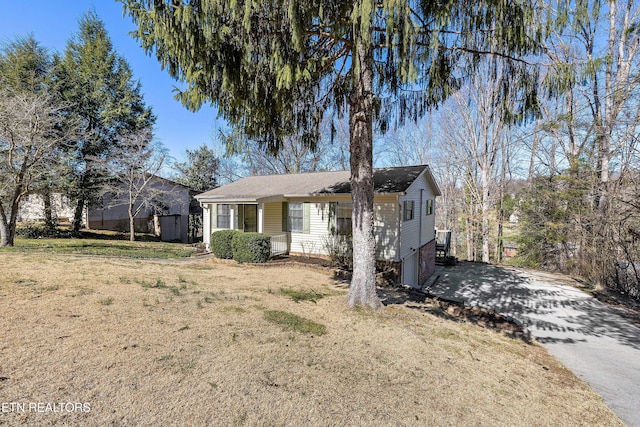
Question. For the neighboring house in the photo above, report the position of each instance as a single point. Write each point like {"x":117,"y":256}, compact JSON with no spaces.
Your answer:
{"x":175,"y":216}
{"x":31,"y":208}
{"x":168,"y":216}
{"x":300,"y":211}
{"x":509,"y":249}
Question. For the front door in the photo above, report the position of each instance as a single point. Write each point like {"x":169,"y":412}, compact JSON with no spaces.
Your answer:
{"x":251,"y":218}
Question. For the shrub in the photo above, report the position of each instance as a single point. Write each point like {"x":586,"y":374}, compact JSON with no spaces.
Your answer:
{"x":37,"y":230}
{"x":339,"y":249}
{"x":221,"y":243}
{"x":251,"y":247}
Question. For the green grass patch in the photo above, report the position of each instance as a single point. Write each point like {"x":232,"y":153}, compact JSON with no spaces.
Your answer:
{"x":44,"y":289}
{"x":290,"y":321}
{"x":298,"y":295}
{"x":158,"y":284}
{"x":106,"y":301}
{"x":101,"y":247}
{"x":82,"y":291}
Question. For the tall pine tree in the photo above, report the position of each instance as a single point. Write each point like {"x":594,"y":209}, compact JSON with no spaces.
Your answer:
{"x":98,"y":86}
{"x":274,"y":69}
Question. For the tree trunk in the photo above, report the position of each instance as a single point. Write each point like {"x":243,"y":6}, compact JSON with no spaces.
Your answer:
{"x":77,"y":216}
{"x":363,"y":283}
{"x":132,"y":225}
{"x":48,"y":211}
{"x":4,"y":229}
{"x":486,"y":207}
{"x":469,"y":235}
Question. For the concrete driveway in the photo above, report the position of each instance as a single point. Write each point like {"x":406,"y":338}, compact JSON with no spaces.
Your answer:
{"x":596,"y":344}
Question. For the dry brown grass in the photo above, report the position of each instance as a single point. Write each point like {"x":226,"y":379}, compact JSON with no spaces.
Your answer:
{"x":187,"y":343}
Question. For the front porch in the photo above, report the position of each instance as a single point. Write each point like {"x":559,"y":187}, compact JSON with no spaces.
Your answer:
{"x":266,"y":218}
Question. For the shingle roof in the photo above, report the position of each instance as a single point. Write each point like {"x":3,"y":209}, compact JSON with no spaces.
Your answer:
{"x":386,"y":180}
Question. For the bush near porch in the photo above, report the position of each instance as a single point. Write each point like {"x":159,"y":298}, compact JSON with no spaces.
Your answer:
{"x":251,"y":247}
{"x":221,"y":243}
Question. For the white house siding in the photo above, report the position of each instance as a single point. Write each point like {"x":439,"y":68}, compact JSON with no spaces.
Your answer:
{"x":312,"y":242}
{"x":420,"y":230}
{"x":417,"y":235}
{"x":386,"y":227}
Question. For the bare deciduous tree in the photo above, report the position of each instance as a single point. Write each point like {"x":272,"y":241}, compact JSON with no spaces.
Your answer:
{"x":475,"y":135}
{"x":133,"y":167}
{"x":31,"y":133}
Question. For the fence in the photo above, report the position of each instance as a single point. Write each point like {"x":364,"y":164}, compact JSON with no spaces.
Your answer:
{"x":279,"y":244}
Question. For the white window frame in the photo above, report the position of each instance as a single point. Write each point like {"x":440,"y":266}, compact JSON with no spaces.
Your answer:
{"x":430,"y":204}
{"x":344,"y":212}
{"x":296,"y":212}
{"x":223,"y":220}
{"x":408,"y":210}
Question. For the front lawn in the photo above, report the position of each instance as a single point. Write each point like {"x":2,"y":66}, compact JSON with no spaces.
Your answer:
{"x":201,"y":342}
{"x":101,"y":244}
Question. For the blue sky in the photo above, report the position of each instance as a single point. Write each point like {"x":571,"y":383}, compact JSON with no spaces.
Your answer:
{"x":52,"y":23}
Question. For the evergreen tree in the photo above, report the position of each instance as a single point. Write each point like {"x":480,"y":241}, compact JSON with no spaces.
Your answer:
{"x":24,"y":66}
{"x":274,"y":68}
{"x":200,"y":170}
{"x":98,"y":87}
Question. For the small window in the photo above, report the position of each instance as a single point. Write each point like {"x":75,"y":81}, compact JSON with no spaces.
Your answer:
{"x":224,"y":219}
{"x":429,"y":207}
{"x":296,"y":217}
{"x":344,"y":212}
{"x":408,"y":210}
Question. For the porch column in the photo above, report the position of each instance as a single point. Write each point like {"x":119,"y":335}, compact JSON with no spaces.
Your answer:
{"x":260,"y":217}
{"x":232,"y":217}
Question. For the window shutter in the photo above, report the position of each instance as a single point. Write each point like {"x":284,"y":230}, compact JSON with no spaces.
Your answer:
{"x":285,"y":216}
{"x":307,"y":218}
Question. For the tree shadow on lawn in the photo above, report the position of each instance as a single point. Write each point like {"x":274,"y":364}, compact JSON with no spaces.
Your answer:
{"x":553,"y":311}
{"x":453,"y":311}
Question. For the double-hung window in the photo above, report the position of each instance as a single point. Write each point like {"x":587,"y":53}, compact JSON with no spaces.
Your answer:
{"x":429,"y":207}
{"x":296,"y":217}
{"x":223,"y":217}
{"x":408,"y":210}
{"x":344,"y":212}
